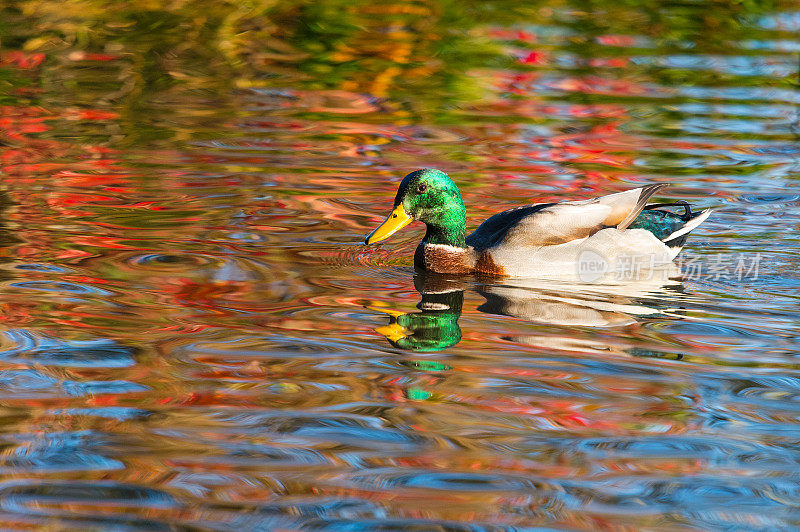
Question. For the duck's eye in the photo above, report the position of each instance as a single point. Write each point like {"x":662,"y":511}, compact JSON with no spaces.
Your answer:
{"x":422,"y":188}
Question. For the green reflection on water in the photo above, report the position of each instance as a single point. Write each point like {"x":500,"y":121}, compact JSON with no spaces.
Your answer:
{"x":426,"y":58}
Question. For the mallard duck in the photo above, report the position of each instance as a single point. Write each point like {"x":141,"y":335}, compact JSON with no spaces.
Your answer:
{"x":544,"y":239}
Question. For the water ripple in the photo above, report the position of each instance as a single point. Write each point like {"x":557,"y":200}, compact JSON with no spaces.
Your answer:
{"x":29,"y":347}
{"x":194,"y":336}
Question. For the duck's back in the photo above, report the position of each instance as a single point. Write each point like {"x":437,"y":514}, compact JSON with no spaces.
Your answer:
{"x":495,"y":229}
{"x":555,"y":236}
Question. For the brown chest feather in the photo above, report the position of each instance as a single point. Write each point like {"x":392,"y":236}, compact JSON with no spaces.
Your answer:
{"x":443,"y":259}
{"x":447,"y":259}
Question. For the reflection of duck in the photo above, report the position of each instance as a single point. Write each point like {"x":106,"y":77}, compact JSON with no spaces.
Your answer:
{"x":436,"y":327}
{"x":535,"y":240}
{"x":607,"y":304}
{"x":564,"y":305}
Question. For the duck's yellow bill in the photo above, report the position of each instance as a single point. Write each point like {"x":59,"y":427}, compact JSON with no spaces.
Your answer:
{"x":392,"y":332}
{"x":393,"y":223}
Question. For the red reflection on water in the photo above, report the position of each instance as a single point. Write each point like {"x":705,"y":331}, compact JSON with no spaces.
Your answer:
{"x":616,"y":40}
{"x":21,"y":59}
{"x":534,"y":58}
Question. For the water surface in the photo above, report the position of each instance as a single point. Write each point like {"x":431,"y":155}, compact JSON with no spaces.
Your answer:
{"x":193,"y":335}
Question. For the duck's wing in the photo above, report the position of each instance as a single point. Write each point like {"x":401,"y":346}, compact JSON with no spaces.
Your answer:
{"x":557,"y":223}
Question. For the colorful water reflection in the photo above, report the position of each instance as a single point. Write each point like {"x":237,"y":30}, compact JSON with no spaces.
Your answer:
{"x":192,"y":334}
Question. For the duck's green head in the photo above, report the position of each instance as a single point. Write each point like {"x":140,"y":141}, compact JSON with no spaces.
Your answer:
{"x":430,"y":196}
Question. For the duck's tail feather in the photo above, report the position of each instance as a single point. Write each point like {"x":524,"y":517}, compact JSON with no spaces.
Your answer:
{"x":677,"y":238}
{"x":645,"y":193}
